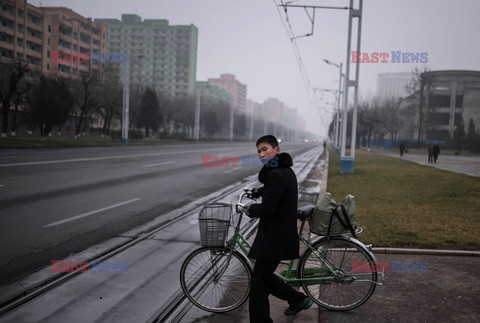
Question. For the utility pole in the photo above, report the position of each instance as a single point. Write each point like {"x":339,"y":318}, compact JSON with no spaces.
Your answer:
{"x":196,"y":129}
{"x":337,"y":121}
{"x":126,"y":100}
{"x":337,"y":94}
{"x":126,"y":103}
{"x":250,"y":133}
{"x":347,"y":162}
{"x":231,"y":120}
{"x":338,"y":97}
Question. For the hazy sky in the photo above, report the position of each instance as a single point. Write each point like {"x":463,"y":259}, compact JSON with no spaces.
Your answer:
{"x":248,"y":38}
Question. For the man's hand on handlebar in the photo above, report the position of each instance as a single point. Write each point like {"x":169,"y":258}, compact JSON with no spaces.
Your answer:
{"x":242,"y":208}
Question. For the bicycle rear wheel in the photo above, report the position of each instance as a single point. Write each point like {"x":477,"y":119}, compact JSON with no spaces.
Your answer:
{"x":354,"y":278}
{"x":215,"y":282}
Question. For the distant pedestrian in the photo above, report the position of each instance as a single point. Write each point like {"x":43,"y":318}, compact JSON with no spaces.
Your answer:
{"x":436,"y":152}
{"x":430,"y":154}
{"x":402,"y":149}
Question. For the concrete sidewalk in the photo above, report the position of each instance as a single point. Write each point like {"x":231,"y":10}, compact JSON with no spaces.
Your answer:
{"x":447,"y":292}
{"x":459,"y":164}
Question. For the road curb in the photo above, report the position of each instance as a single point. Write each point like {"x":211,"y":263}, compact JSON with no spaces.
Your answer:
{"x":323,"y":186}
{"x":432,"y":252}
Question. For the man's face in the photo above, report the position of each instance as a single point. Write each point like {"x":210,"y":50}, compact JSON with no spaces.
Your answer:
{"x":266,"y":152}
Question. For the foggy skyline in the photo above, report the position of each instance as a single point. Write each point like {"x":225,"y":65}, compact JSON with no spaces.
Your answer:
{"x":249,"y":39}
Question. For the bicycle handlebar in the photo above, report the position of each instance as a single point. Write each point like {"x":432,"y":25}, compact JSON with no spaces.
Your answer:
{"x":240,"y":207}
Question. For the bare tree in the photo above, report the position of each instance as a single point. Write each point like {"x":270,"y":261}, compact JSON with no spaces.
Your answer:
{"x":149,"y":113}
{"x":51,"y":104}
{"x":365,"y":122}
{"x":110,"y":100}
{"x":420,"y":82}
{"x":240,"y":125}
{"x":20,"y":100}
{"x":10,"y":79}
{"x":392,"y":118}
{"x":86,"y":99}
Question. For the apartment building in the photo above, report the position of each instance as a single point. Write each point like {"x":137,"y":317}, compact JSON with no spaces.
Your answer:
{"x":161,"y":56}
{"x":237,"y":90}
{"x":50,"y":39}
{"x":211,"y":92}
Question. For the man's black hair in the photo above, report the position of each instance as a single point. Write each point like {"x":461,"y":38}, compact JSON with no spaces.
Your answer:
{"x":269,"y":139}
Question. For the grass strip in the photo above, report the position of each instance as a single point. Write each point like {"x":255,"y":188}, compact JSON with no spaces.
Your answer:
{"x":404,"y":204}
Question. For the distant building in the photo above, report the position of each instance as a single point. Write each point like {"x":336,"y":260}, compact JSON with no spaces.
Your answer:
{"x":286,"y":122}
{"x":449,"y":96}
{"x":213,"y":92}
{"x":393,"y":85}
{"x":272,"y":109}
{"x":251,"y":107}
{"x":35,"y":35}
{"x":290,"y":121}
{"x":161,"y":56}
{"x":237,"y":90}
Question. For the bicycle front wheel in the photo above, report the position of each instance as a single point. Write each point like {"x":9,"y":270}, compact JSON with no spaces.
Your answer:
{"x":352,"y":281}
{"x":216,"y":279}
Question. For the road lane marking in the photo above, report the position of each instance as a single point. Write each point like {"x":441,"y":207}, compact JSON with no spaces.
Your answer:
{"x":46,"y":162}
{"x":159,"y":164}
{"x":232,"y":170}
{"x":91,"y":213}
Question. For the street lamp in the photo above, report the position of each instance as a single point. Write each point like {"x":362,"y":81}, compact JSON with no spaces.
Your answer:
{"x":126,"y":101}
{"x":334,"y":104}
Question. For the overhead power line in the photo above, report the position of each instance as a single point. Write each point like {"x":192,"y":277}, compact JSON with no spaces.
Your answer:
{"x":310,"y":89}
{"x":289,"y":30}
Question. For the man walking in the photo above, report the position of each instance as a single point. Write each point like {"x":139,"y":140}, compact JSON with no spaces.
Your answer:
{"x":277,"y":236}
{"x":436,"y":152}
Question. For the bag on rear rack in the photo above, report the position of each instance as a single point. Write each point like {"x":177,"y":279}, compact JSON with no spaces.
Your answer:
{"x":332,"y":218}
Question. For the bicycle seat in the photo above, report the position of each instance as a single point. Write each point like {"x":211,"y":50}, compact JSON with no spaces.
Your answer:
{"x":305,"y":212}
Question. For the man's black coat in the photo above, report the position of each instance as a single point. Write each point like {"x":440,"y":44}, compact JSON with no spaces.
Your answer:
{"x":277,"y":236}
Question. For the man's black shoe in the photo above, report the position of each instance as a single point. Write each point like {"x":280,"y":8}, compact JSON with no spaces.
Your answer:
{"x":292,"y":310}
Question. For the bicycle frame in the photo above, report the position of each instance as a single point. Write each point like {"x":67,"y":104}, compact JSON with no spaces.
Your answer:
{"x":321,"y":275}
{"x":290,"y":276}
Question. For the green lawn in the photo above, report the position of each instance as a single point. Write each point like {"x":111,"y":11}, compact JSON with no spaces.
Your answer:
{"x":403,"y":204}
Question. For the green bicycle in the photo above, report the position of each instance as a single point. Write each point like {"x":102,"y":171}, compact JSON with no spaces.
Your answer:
{"x":216,"y":277}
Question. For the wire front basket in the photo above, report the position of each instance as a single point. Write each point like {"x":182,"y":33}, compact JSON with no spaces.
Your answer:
{"x":214,"y":221}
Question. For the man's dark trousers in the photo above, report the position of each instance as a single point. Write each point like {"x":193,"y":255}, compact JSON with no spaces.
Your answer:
{"x":263,"y":283}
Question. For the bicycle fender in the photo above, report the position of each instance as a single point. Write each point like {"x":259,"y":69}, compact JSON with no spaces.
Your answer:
{"x":347,"y":238}
{"x":247,"y":260}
